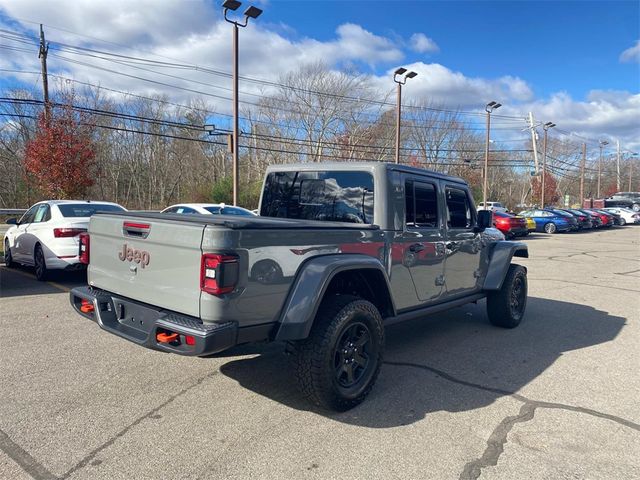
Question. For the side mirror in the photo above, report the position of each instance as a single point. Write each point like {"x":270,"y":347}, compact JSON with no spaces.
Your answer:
{"x":484,"y":220}
{"x":12,"y":221}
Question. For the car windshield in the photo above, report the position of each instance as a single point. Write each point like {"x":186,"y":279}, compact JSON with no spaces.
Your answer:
{"x":87,"y":209}
{"x":228,"y":211}
{"x":336,"y":196}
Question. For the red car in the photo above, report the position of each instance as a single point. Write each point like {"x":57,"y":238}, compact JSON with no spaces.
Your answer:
{"x":607,"y":220}
{"x":510,"y":225}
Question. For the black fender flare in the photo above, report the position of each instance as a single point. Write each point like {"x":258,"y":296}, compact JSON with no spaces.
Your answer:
{"x":499,"y":262}
{"x":309,"y":287}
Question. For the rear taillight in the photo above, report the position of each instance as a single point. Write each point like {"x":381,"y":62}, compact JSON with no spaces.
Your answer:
{"x":218,"y":273}
{"x":83,"y":249}
{"x":67,"y":232}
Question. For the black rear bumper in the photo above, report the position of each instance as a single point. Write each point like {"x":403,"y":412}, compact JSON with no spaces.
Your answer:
{"x":142,"y":324}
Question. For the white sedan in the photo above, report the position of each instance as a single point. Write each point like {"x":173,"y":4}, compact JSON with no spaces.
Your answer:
{"x":626,"y":214}
{"x":208,"y":209}
{"x":46,"y":237}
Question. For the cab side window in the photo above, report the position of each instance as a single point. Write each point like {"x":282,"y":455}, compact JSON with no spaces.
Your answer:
{"x":421,"y":205}
{"x":459,"y":211}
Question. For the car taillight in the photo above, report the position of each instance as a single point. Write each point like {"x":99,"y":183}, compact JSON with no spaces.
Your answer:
{"x":67,"y":232}
{"x":218,"y":273}
{"x":83,"y":252}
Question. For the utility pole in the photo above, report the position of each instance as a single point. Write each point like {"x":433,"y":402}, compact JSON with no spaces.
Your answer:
{"x":534,"y":143}
{"x":584,"y":160}
{"x":618,"y":165}
{"x":602,"y":144}
{"x":42,"y":55}
{"x":546,"y":127}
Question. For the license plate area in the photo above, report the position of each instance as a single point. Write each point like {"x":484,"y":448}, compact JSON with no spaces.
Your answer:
{"x":134,"y":317}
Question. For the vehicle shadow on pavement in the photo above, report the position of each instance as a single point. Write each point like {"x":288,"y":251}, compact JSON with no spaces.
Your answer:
{"x":21,"y":281}
{"x":451,"y":362}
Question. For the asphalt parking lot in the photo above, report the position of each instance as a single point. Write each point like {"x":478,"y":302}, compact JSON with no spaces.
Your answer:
{"x":556,"y":398}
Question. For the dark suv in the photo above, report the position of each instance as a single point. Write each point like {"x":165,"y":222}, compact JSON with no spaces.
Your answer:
{"x":624,"y":199}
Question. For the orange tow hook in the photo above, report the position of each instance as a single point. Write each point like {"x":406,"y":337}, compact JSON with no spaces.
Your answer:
{"x":163,"y":337}
{"x":86,"y":306}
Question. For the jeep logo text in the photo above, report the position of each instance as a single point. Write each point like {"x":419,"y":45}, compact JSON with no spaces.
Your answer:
{"x":132,"y":255}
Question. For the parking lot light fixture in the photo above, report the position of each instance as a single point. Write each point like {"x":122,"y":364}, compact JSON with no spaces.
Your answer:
{"x":251,"y":12}
{"x":400,"y":76}
{"x":490,"y":107}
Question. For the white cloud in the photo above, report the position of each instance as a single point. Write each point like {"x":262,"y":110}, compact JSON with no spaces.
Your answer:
{"x":631,"y":54}
{"x":420,"y":43}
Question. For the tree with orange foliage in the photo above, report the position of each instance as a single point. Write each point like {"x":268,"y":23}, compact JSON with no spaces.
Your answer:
{"x":61,"y":158}
{"x":550,"y":189}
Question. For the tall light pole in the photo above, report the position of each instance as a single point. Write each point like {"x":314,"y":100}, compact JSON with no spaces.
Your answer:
{"x":546,"y":127}
{"x":490,"y":107}
{"x":400,"y":76}
{"x":251,"y":12}
{"x":633,"y":154}
{"x":602,"y":144}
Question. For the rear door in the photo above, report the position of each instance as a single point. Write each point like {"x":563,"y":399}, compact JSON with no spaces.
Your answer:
{"x":463,"y":245}
{"x":150,"y":260}
{"x":422,"y":241}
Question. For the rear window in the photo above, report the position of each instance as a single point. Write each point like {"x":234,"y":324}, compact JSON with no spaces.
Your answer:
{"x":86,"y":209}
{"x":332,"y":196}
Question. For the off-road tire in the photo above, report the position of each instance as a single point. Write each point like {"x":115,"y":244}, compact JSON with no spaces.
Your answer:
{"x":318,"y":359}
{"x":550,"y":227}
{"x":8,"y":258}
{"x":40,"y":264}
{"x":506,"y":307}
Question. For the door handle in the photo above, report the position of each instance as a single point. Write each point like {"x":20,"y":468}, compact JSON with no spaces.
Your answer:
{"x":416,"y":247}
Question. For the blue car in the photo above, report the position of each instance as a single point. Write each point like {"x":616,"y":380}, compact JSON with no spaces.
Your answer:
{"x":548,"y":221}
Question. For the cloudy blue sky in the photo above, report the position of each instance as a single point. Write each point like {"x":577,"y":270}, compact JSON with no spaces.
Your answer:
{"x":576,"y":63}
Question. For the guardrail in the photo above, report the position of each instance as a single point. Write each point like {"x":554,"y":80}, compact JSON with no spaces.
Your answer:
{"x":12,"y":211}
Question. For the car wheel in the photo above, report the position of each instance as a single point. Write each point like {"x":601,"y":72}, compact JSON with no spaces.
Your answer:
{"x":338,"y":364}
{"x":8,"y":258}
{"x":635,"y":207}
{"x":622,"y":221}
{"x":550,"y":227}
{"x":267,"y":272}
{"x":506,"y":307}
{"x":40,"y":264}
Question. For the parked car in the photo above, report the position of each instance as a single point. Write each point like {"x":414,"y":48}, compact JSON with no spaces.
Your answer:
{"x":493,"y":206}
{"x":510,"y":225}
{"x":208,"y":209}
{"x":596,"y":220}
{"x":573,"y":221}
{"x":584,"y":220}
{"x":624,"y":199}
{"x":617,"y":219}
{"x":607,"y":220}
{"x":547,"y":221}
{"x":46,"y":236}
{"x":531,"y":224}
{"x":627,"y":215}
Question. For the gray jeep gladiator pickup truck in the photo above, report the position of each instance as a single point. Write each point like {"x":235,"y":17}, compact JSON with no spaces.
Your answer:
{"x":338,"y":252}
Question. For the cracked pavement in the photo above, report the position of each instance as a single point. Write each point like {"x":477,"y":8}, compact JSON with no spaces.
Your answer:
{"x":457,"y":398}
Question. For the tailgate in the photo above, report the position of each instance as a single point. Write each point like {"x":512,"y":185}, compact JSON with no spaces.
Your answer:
{"x":155,"y":261}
